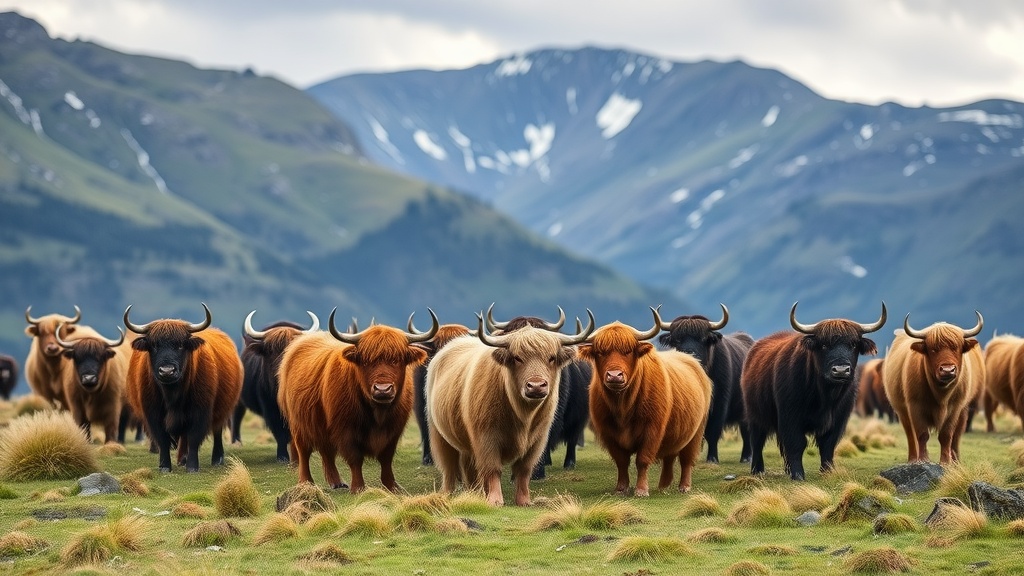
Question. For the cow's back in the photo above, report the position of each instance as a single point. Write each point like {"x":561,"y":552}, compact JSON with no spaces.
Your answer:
{"x":302,"y":377}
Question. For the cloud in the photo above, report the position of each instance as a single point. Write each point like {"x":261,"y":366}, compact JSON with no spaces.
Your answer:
{"x":938,"y":52}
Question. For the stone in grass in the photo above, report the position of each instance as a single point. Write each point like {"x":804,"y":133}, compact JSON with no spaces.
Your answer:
{"x":938,"y":512}
{"x":98,"y":483}
{"x":996,"y":502}
{"x":809,"y":518}
{"x":913,"y":477}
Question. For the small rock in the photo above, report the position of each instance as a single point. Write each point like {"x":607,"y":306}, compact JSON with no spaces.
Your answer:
{"x":471,"y":524}
{"x":842,"y":551}
{"x":729,"y":477}
{"x":996,"y":502}
{"x":810,"y":548}
{"x":939,"y":511}
{"x":214,"y":548}
{"x":975,"y":565}
{"x":913,"y":477}
{"x":809,"y":518}
{"x":587,"y":539}
{"x":99,"y":483}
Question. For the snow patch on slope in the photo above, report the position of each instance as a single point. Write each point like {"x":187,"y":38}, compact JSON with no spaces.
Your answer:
{"x":616,"y":114}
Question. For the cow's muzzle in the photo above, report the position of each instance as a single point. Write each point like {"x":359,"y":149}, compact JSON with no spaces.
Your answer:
{"x":840,"y":372}
{"x":947,"y":373}
{"x":52,"y":350}
{"x":615,"y":380}
{"x":167,"y":374}
{"x":383,"y":393}
{"x":89,"y":381}
{"x":536,"y":389}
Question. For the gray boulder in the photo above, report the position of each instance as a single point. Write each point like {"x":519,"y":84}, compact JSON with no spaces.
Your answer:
{"x":996,"y":502}
{"x":913,"y":477}
{"x":809,"y":518}
{"x":98,"y":483}
{"x":938,"y":513}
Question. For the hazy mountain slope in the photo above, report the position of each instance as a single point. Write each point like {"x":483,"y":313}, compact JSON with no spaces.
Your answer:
{"x":719,"y":181}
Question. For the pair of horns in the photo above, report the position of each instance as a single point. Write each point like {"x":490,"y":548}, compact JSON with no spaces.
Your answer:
{"x":493,"y":324}
{"x":144,"y":328}
{"x":411,"y":336}
{"x":71,"y":345}
{"x":503,"y":340}
{"x":711,"y":325}
{"x":36,"y":321}
{"x":921,"y":334}
{"x":261,"y":334}
{"x":810,"y":328}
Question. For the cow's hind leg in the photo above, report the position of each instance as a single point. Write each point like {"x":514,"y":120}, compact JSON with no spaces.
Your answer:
{"x":758,"y":438}
{"x":328,"y":455}
{"x":687,"y":458}
{"x":446,"y":458}
{"x":745,"y":435}
{"x":217,"y":457}
{"x":236,"y":423}
{"x":668,"y":465}
{"x":793,"y":442}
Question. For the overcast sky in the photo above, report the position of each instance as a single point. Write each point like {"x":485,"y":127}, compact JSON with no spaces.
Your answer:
{"x":935,"y":52}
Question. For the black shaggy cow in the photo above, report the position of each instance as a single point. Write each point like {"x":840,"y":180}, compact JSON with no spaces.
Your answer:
{"x":803,"y":382}
{"x":722,"y":359}
{"x":573,"y":410}
{"x":260,"y":360}
{"x":8,"y":376}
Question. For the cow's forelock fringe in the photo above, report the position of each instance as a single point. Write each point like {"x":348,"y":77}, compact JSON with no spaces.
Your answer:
{"x":944,"y":335}
{"x":835,"y":330}
{"x":616,"y":337}
{"x":383,"y":344}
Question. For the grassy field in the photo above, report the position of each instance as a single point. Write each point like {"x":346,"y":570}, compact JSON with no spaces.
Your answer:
{"x":594,"y":533}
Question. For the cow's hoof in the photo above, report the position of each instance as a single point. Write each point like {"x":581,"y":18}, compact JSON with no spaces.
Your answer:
{"x":218,"y":462}
{"x":712,"y":460}
{"x":192,"y":470}
{"x":745,"y":460}
{"x":339,"y":486}
{"x":428,"y":461}
{"x":163,"y":469}
{"x":283,"y":459}
{"x":642,"y":493}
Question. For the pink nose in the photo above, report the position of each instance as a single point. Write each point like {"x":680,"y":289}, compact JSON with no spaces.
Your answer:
{"x":947,"y":371}
{"x":614,"y":377}
{"x":383,"y":389}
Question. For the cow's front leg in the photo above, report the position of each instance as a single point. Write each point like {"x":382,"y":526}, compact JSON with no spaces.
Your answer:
{"x":387,"y":472}
{"x":621,"y":459}
{"x":355,"y":466}
{"x":793,"y":442}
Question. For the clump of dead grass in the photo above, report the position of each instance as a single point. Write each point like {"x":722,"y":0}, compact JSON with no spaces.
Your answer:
{"x":649,"y":549}
{"x":713,"y":534}
{"x":277,"y":528}
{"x":368,"y":519}
{"x":189,"y":510}
{"x":741,"y":484}
{"x":957,"y":477}
{"x":699,"y":504}
{"x":103,"y":541}
{"x":214,"y":533}
{"x":327,"y":552}
{"x":890,"y":524}
{"x":857,"y":502}
{"x":17,"y":543}
{"x":747,"y":568}
{"x":236,"y":496}
{"x":568,"y":512}
{"x":804,"y":497}
{"x":45,"y":445}
{"x":884,"y":560}
{"x":764,"y":508}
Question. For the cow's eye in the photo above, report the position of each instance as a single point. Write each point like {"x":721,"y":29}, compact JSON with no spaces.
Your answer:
{"x":551,"y":360}
{"x":517,"y":359}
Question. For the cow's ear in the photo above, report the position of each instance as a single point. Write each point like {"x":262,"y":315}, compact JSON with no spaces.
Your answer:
{"x":809,"y":342}
{"x":415,"y":355}
{"x":32,"y":330}
{"x":565,"y":355}
{"x":713,"y":338}
{"x":585,"y":351}
{"x":69,"y":329}
{"x":968,"y":344}
{"x":917,"y":346}
{"x":867,"y":347}
{"x":351,"y":353}
{"x":109,"y":353}
{"x":256,"y":347}
{"x":193,"y":343}
{"x":643,"y":348}
{"x":428,"y":347}
{"x":665,"y":339}
{"x":503,"y":356}
{"x":141,"y":344}
{"x":69,"y":354}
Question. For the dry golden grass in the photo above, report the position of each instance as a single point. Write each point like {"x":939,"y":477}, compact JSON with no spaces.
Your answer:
{"x":764,"y":508}
{"x":45,"y":446}
{"x":451,"y":525}
{"x":712,"y":534}
{"x":847,"y":506}
{"x":1017,"y":452}
{"x":469,"y":502}
{"x":236,"y":496}
{"x":741,"y":484}
{"x":894,"y":524}
{"x":649,"y":549}
{"x":846,"y":448}
{"x":322,"y":524}
{"x":313,"y":498}
{"x":956,"y":478}
{"x":133,"y":486}
{"x":102,"y":542}
{"x":413,"y":520}
{"x":956,"y":523}
{"x":204,"y":534}
{"x":25,"y":524}
{"x":773,"y":550}
{"x":189,"y":510}
{"x":747,"y":568}
{"x":804,"y":497}
{"x":368,"y":519}
{"x":1015,"y":528}
{"x":568,"y":512}
{"x":327,"y":552}
{"x":699,"y":504}
{"x":885,"y":560}
{"x":31,"y":404}
{"x":111,"y":449}
{"x":18,"y":543}
{"x":129,"y":532}
{"x":433,"y":503}
{"x":277,"y":528}
{"x":884,"y":484}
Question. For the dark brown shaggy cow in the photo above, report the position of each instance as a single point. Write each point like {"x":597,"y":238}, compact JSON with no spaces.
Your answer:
{"x":871,"y":398}
{"x":931,"y":375}
{"x":722,"y":357}
{"x":43,"y":364}
{"x":650,"y":403}
{"x":445,"y":334}
{"x":94,"y":382}
{"x":489,"y":404}
{"x":183,"y":379}
{"x":8,"y":375}
{"x":799,"y":383}
{"x":261,"y":358}
{"x":1004,"y":379}
{"x":350,"y":394}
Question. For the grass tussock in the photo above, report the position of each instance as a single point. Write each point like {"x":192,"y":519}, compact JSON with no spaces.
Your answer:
{"x":25,"y":524}
{"x":200,"y":498}
{"x":470,"y":502}
{"x":215,"y":533}
{"x":277,"y":528}
{"x":368,"y":519}
{"x":236,"y":496}
{"x":764,"y":508}
{"x":413,"y":520}
{"x":773,"y":550}
{"x":741,"y":484}
{"x":378,"y":495}
{"x":109,"y":449}
{"x":1015,"y":477}
{"x":747,"y":568}
{"x":322,"y":524}
{"x":890,"y":524}
{"x":433,"y":503}
{"x":299,"y":512}
{"x":649,"y":549}
{"x":451,"y":525}
{"x":133,"y":485}
{"x":885,"y":560}
{"x":313,"y":498}
{"x":958,"y":523}
{"x":189,"y":510}
{"x":883,"y":484}
{"x":7,"y":493}
{"x":102,"y":542}
{"x":31,"y":404}
{"x":804,"y":497}
{"x":713,"y":534}
{"x":700,"y":504}
{"x":846,"y":448}
{"x":327,"y":552}
{"x":568,"y":512}
{"x":45,"y":446}
{"x":18,"y":543}
{"x":1017,"y":452}
{"x":837,"y":475}
{"x":956,"y":478}
{"x":859,"y":503}
{"x":1015,"y":528}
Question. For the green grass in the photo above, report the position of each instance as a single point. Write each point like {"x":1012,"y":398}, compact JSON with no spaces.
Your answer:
{"x":505,"y":540}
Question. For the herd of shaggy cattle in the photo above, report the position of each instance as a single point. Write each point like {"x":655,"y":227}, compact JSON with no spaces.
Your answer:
{"x":505,"y":393}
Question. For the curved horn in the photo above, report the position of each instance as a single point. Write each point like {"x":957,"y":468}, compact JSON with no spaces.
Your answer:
{"x":721,"y":323}
{"x":137,"y":328}
{"x":495,"y":341}
{"x":977,"y":327}
{"x":868,"y":328}
{"x":78,"y":316}
{"x":641,"y":336}
{"x":316,"y":323}
{"x":250,"y":331}
{"x":63,"y":344}
{"x":664,"y":325}
{"x":353,"y":326}
{"x":415,"y":336}
{"x":348,"y":338}
{"x":581,"y":333}
{"x":115,"y":343}
{"x":491,"y":324}
{"x":805,"y":328}
{"x":205,"y":323}
{"x":30,"y":319}
{"x":557,"y":325}
{"x":910,"y":331}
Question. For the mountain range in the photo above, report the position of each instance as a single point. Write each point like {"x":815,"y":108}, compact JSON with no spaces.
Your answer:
{"x":127,"y":179}
{"x":722,"y":182}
